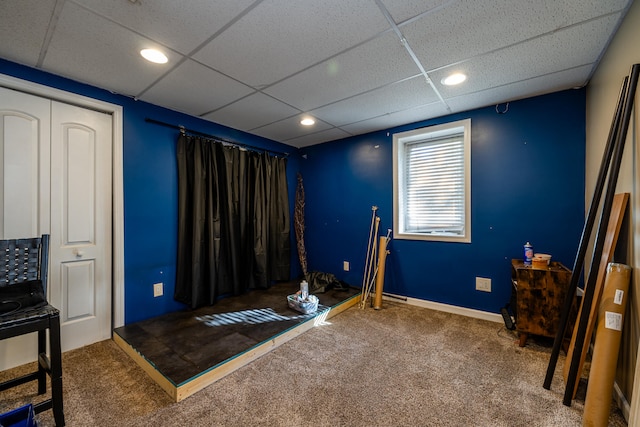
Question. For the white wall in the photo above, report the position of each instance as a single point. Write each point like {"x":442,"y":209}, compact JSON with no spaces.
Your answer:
{"x":602,"y":96}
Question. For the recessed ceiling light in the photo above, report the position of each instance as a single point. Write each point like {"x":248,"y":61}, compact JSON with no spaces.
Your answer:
{"x":154,"y":55}
{"x":454,"y":79}
{"x":308,"y":121}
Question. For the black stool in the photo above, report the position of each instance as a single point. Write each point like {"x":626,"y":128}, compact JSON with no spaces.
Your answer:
{"x":24,"y":260}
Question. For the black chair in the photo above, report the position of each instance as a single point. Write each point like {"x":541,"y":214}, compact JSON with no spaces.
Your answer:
{"x":24,"y":260}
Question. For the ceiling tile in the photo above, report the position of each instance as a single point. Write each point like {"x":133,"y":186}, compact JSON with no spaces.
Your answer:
{"x":280,"y":37}
{"x":195,"y":89}
{"x":251,"y":112}
{"x":398,"y":118}
{"x":91,"y":49}
{"x":573,"y":47}
{"x":178,"y":25}
{"x":467,"y":29}
{"x":257,"y":65}
{"x":317,"y":138}
{"x":19,"y":42}
{"x":289,"y":128}
{"x":401,"y":10}
{"x":389,"y":99}
{"x":518,"y":90}
{"x":376,"y":63}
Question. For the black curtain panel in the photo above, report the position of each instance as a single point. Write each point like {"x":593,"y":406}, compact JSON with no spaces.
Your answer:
{"x":233,"y":221}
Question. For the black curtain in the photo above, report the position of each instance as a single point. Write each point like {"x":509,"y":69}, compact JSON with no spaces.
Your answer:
{"x":233,"y":221}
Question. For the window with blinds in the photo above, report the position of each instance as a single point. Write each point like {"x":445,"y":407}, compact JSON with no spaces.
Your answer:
{"x":431,"y":183}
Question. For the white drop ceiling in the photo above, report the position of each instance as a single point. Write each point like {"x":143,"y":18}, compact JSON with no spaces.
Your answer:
{"x":356,"y":66}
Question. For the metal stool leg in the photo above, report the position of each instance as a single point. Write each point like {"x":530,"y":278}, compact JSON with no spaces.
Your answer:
{"x":56,"y":371}
{"x":42,"y":370}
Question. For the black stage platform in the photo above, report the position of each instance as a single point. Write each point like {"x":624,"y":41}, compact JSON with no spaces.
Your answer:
{"x":188,"y":350}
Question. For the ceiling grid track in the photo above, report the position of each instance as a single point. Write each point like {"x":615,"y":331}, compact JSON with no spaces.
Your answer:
{"x":415,"y":59}
{"x":261,"y":89}
{"x":200,"y":46}
{"x":53,"y":23}
{"x":258,"y":66}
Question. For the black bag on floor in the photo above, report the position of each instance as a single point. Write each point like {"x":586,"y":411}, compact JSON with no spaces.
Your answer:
{"x":320,"y":282}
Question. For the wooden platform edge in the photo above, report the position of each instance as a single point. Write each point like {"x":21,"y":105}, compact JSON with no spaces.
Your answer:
{"x":193,"y":385}
{"x":147,"y":366}
{"x":216,"y":373}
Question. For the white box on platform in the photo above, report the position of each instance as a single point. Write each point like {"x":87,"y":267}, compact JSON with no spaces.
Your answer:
{"x":304,"y":306}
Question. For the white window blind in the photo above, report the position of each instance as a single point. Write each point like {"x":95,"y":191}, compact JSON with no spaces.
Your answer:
{"x":432,"y":190}
{"x":434,"y":186}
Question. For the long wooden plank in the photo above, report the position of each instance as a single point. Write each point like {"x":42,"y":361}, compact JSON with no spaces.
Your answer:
{"x":187,"y":388}
{"x":618,"y":209}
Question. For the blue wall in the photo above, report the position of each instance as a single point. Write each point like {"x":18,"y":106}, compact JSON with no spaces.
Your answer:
{"x":150,"y":189}
{"x":527,"y":184}
{"x":527,"y":174}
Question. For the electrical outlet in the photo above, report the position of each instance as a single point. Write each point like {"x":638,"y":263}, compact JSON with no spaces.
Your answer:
{"x":483,"y":284}
{"x":345,"y":265}
{"x":157,"y":290}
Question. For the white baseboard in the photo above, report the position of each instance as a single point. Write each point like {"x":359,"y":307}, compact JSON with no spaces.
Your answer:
{"x":622,"y":402}
{"x":462,"y":311}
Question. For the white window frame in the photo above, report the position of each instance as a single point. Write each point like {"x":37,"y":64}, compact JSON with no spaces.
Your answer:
{"x":400,"y":142}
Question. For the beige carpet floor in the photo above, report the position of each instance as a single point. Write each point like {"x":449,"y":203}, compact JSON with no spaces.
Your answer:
{"x":399,"y":366}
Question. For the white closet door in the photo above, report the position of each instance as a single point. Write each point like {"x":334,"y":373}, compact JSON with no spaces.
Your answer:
{"x":24,"y":164}
{"x":81,"y":147}
{"x":56,"y":171}
{"x":24,"y":190}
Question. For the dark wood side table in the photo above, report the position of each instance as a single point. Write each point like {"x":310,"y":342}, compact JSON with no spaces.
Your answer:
{"x":539,"y":295}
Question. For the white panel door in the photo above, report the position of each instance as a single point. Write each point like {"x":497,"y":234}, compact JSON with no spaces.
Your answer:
{"x":24,"y":190}
{"x":80,"y":268}
{"x":56,"y":171}
{"x":24,"y":164}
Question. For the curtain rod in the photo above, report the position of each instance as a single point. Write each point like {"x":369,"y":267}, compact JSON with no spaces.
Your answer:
{"x":183,"y":130}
